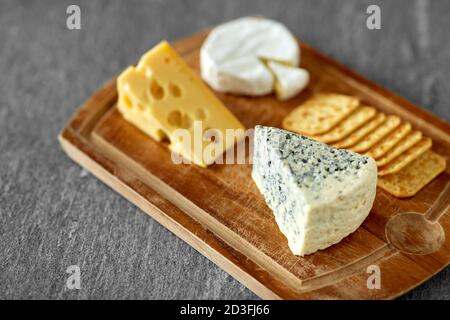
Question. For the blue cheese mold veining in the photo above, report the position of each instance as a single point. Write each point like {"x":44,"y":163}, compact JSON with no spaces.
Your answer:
{"x":317,"y":193}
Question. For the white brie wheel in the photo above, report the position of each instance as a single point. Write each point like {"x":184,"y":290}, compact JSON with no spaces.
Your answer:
{"x":252,"y":56}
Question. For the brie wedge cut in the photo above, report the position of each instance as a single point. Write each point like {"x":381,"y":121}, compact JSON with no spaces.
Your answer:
{"x":233,"y":56}
{"x":289,"y":81}
{"x":317,"y":193}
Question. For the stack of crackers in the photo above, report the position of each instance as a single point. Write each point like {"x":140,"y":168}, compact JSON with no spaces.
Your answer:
{"x":405,"y":161}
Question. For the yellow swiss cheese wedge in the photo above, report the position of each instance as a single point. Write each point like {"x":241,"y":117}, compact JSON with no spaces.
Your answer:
{"x":164,"y":98}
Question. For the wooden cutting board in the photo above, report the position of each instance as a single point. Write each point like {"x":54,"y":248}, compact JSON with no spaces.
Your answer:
{"x":220,"y":212}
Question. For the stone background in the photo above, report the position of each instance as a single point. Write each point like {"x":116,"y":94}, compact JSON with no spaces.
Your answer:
{"x":53,"y":214}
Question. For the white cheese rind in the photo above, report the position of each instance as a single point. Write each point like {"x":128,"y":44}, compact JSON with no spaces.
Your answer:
{"x":232,"y":56}
{"x":289,"y":81}
{"x":317,"y":193}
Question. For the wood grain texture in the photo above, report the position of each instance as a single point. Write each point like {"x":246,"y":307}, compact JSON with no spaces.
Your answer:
{"x":220,"y":212}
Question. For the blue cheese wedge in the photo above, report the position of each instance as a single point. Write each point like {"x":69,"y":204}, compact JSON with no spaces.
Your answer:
{"x":318,"y":194}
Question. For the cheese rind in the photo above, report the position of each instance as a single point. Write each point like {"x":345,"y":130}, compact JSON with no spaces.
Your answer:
{"x":162,"y":95}
{"x":232,"y":57}
{"x":317,"y":193}
{"x":289,"y":81}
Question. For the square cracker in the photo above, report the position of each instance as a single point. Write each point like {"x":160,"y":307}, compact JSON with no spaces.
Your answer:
{"x":382,"y":147}
{"x":407,"y":157}
{"x":416,"y":175}
{"x":320,"y":113}
{"x":361,"y":132}
{"x":411,"y":139}
{"x":348,"y":125}
{"x":391,"y":123}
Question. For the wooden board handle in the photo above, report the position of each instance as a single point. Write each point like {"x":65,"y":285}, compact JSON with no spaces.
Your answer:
{"x":440,"y":206}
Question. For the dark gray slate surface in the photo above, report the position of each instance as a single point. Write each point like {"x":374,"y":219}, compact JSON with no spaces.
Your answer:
{"x":53,"y":214}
